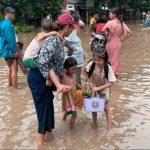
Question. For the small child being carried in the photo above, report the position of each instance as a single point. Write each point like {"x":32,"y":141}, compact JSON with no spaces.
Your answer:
{"x":101,"y":77}
{"x":32,"y":51}
{"x":69,"y":98}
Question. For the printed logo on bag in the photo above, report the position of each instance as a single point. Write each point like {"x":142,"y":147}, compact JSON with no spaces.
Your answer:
{"x":95,"y":105}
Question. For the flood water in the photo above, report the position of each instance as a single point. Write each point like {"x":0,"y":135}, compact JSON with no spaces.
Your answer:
{"x":130,"y":105}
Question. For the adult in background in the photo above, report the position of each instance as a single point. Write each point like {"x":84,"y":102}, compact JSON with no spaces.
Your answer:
{"x":117,"y":32}
{"x":74,"y":45}
{"x":93,"y":24}
{"x":8,"y":49}
{"x":50,"y":62}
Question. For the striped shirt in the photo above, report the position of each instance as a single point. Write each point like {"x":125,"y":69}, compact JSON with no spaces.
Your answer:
{"x":75,"y":42}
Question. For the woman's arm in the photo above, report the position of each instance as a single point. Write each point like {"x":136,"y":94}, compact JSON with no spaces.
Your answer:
{"x":127,"y":32}
{"x":60,"y":87}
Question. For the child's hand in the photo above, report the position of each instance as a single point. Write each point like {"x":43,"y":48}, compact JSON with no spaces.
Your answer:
{"x":95,"y":89}
{"x":92,"y":85}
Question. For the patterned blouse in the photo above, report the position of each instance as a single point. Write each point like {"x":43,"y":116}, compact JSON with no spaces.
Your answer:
{"x":51,"y":56}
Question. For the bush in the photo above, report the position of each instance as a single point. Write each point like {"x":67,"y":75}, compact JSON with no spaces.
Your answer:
{"x":24,"y":28}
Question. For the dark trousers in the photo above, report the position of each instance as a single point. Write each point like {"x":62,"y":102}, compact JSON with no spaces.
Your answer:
{"x":43,"y":100}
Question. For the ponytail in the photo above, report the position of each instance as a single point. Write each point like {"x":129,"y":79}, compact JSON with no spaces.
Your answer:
{"x":116,"y":11}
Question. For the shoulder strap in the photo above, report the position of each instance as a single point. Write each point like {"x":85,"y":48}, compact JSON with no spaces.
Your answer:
{"x":91,"y":69}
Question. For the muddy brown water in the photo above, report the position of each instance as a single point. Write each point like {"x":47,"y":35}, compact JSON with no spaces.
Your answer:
{"x":130,"y":105}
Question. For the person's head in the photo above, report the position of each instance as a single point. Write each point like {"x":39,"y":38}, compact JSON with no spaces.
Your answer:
{"x":96,"y":16}
{"x":64,"y":24}
{"x":114,"y":13}
{"x":70,"y":65}
{"x":100,"y":56}
{"x":9,"y":13}
{"x":47,"y":25}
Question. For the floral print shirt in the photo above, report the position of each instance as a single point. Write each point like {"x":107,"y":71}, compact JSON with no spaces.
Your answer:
{"x":51,"y":56}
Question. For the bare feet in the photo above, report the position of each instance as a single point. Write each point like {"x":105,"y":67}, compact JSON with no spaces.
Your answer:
{"x":41,"y":139}
{"x":94,"y":126}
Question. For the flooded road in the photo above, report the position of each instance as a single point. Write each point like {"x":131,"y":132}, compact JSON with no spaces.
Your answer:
{"x":130,"y":105}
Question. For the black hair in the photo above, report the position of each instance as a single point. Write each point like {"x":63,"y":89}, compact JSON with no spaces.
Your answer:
{"x":47,"y":25}
{"x":70,"y":62}
{"x":102,"y":53}
{"x":116,"y":11}
{"x":76,"y":17}
{"x":57,"y":26}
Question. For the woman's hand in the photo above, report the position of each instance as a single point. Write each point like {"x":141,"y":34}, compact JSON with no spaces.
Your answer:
{"x":63,"y":88}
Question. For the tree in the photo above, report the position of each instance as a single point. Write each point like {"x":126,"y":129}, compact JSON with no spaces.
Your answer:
{"x":36,"y":9}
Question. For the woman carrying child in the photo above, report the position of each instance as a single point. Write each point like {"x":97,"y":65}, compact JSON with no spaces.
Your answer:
{"x":101,"y":77}
{"x":50,"y":61}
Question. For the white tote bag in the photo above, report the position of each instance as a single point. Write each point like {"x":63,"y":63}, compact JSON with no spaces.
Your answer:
{"x":94,"y":104}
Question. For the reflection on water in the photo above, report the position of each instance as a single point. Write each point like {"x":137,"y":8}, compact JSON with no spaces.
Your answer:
{"x":129,"y":104}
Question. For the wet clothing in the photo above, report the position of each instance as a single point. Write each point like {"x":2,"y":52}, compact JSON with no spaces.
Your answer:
{"x":43,"y":100}
{"x":51,"y":56}
{"x":69,"y":98}
{"x":98,"y":78}
{"x":116,"y":31}
{"x":7,"y":39}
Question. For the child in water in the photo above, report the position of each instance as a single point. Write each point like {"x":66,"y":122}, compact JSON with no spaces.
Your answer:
{"x":101,"y":77}
{"x":32,"y":51}
{"x":69,"y":99}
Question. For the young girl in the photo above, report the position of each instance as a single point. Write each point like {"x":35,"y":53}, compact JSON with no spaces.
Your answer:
{"x":101,"y":77}
{"x":69,"y":100}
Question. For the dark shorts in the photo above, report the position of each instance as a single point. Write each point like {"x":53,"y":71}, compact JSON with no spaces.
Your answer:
{"x":10,"y":61}
{"x":71,"y":113}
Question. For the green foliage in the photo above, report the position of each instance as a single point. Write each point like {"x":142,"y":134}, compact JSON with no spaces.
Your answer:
{"x":24,"y":28}
{"x":36,"y":9}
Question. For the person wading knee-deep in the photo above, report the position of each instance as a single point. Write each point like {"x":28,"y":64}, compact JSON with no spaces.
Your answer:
{"x":8,"y":49}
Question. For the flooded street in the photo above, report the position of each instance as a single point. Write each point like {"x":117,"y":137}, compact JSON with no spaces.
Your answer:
{"x":130,"y":105}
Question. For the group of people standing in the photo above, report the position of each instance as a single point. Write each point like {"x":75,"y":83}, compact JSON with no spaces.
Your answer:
{"x":55,"y":58}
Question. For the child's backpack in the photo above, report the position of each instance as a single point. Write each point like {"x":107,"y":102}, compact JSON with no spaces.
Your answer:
{"x":106,"y":69}
{"x":91,"y":69}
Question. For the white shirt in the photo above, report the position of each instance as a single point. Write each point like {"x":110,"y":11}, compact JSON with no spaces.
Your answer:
{"x":98,"y":78}
{"x":32,"y":50}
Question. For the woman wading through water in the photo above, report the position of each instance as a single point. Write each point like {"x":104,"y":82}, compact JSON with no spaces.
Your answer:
{"x":50,"y":62}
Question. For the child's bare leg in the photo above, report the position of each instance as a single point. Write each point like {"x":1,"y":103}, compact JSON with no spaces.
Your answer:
{"x":108,"y":116}
{"x":94,"y":116}
{"x":41,"y":139}
{"x":64,"y":116}
{"x":72,"y":121}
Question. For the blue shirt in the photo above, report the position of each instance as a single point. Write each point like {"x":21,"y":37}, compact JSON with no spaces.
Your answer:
{"x":7,"y":39}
